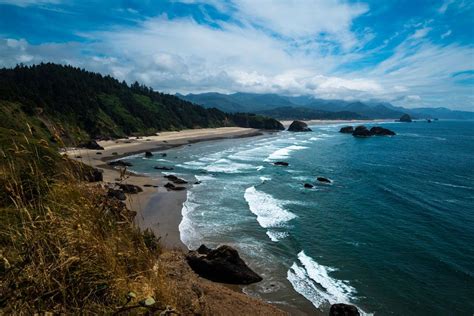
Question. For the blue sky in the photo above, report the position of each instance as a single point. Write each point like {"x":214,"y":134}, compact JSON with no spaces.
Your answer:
{"x":412,"y":53}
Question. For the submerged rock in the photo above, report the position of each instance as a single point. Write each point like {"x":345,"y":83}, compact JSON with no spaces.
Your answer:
{"x":281,"y":163}
{"x":381,"y":131}
{"x":347,"y":130}
{"x":322,"y":179}
{"x":308,"y":185}
{"x":298,"y":126}
{"x":405,"y":118}
{"x":361,"y":131}
{"x":148,"y":154}
{"x":343,"y":310}
{"x":221,"y":265}
{"x":163,"y":168}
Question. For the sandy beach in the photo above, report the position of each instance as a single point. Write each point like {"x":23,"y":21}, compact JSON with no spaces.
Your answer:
{"x":157,"y":208}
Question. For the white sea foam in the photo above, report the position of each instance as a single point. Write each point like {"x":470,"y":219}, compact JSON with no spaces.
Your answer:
{"x":228,"y":166}
{"x":284,"y":152}
{"x":276,"y":235}
{"x":269,"y":211}
{"x":312,"y":280}
{"x":263,"y":178}
{"x":188,"y":234}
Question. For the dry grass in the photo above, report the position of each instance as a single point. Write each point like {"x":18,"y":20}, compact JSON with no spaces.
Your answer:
{"x":64,"y":246}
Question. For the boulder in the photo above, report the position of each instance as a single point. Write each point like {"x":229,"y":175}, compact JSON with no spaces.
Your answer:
{"x":322,"y":179}
{"x":171,"y":177}
{"x":361,"y":131}
{"x":148,"y":154}
{"x":308,"y":185}
{"x":381,"y":131}
{"x":163,"y":168}
{"x":119,"y":163}
{"x":343,"y":310}
{"x":117,"y":194}
{"x":180,"y":181}
{"x":281,"y":163}
{"x":405,"y":118}
{"x":298,"y":126}
{"x":222,"y":264}
{"x":164,"y":155}
{"x":347,"y":130}
{"x":129,"y":188}
{"x":171,"y":186}
{"x":92,"y":144}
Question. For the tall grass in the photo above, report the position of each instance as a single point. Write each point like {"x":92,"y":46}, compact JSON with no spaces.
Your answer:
{"x":64,"y":246}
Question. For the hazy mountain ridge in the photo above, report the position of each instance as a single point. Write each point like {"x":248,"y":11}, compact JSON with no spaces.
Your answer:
{"x":278,"y":106}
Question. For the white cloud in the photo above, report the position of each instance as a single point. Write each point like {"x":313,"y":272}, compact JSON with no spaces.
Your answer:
{"x":421,"y":33}
{"x":445,"y":5}
{"x":446,"y":34}
{"x":267,"y":51}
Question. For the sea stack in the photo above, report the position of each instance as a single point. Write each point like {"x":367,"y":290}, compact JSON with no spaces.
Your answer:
{"x":298,"y":126}
{"x":347,"y":130}
{"x":405,"y":118}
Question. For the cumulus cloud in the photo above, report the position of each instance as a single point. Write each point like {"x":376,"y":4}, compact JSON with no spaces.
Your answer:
{"x":259,"y":54}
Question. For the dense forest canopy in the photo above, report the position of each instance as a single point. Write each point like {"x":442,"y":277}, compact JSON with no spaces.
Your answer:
{"x":79,"y":104}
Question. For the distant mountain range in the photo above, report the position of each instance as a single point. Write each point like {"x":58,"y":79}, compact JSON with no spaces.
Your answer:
{"x":307,"y":107}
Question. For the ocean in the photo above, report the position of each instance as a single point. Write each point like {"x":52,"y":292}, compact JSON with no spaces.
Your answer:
{"x":393,"y":233}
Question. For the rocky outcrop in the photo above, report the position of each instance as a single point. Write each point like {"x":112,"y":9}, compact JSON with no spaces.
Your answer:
{"x":281,"y":163}
{"x":405,"y":118}
{"x":308,"y":185}
{"x":222,"y":264}
{"x":148,"y":154}
{"x":381,"y":131}
{"x":324,"y":180}
{"x":93,"y":175}
{"x":361,"y":131}
{"x":343,"y":310}
{"x":347,"y":130}
{"x":129,"y":188}
{"x":172,"y":187}
{"x":119,"y":163}
{"x":298,"y":126}
{"x":92,"y":144}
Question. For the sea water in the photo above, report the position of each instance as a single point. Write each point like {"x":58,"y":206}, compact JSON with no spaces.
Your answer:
{"x":393,"y":233}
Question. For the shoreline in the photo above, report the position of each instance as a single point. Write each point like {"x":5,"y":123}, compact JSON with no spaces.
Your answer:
{"x":157,"y":208}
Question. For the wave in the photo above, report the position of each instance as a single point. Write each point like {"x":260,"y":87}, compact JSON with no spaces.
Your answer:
{"x":276,"y":235}
{"x":284,"y":152}
{"x":451,"y":185}
{"x":188,"y":234}
{"x":227,"y":166}
{"x":269,"y":211}
{"x":312,"y":280}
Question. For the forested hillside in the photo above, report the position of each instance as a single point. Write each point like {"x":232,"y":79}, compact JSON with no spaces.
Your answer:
{"x":76,"y":105}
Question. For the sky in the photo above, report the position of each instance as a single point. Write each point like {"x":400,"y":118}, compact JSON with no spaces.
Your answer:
{"x":413,"y":53}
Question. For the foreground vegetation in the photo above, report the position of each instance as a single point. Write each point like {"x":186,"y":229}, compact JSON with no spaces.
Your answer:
{"x":78,"y":105}
{"x":64,"y":246}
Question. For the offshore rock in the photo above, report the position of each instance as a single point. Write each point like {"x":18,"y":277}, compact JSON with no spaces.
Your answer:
{"x":298,"y":126}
